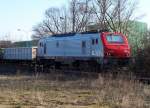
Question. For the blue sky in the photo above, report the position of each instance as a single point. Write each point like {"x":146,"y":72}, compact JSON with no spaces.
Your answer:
{"x":23,"y":14}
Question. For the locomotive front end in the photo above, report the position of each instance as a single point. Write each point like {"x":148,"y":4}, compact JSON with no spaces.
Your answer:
{"x":116,"y":47}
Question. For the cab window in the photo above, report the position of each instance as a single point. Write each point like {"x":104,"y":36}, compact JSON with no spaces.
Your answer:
{"x":114,"y":39}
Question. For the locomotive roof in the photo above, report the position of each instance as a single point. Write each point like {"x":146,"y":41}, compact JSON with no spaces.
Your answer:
{"x":73,"y":34}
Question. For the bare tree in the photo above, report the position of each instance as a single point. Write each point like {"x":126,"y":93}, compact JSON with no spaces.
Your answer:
{"x":52,"y":24}
{"x":57,"y":21}
{"x":114,"y":14}
{"x":107,"y":14}
{"x":80,"y":14}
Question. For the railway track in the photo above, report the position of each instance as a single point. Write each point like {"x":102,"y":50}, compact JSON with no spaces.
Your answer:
{"x":114,"y":72}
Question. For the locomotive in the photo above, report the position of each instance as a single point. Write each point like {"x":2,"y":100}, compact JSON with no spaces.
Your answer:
{"x":102,"y":47}
{"x":99,"y":48}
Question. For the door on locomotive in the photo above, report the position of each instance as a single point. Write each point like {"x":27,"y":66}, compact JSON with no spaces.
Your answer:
{"x":41,"y":48}
{"x":95,"y":47}
{"x":116,"y":46}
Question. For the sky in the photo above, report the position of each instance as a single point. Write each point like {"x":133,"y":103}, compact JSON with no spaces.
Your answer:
{"x":17,"y":17}
{"x":143,"y":9}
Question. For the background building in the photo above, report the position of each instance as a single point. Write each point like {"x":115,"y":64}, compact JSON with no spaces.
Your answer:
{"x":31,"y":43}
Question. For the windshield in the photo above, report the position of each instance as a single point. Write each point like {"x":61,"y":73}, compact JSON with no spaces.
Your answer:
{"x":114,"y":39}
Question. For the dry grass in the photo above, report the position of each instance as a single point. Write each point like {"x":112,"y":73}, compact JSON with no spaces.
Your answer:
{"x":49,"y":91}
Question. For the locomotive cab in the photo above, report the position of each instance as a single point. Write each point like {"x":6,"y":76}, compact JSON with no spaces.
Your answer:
{"x":115,"y":47}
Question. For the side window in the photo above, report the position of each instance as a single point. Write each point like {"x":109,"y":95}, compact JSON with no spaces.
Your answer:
{"x":83,"y":44}
{"x":40,"y":44}
{"x":45,"y":48}
{"x":57,"y":44}
{"x":83,"y":47}
{"x":96,"y":41}
{"x":93,"y":41}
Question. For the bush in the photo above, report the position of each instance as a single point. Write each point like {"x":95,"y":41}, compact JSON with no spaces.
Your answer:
{"x":142,"y":58}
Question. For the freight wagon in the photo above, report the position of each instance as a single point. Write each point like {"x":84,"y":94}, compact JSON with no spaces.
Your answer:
{"x":20,"y":53}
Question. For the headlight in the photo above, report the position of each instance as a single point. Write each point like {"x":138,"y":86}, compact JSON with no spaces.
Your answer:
{"x":126,"y":51}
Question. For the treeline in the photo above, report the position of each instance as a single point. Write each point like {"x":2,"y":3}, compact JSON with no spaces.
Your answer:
{"x":142,"y":57}
{"x":115,"y":15}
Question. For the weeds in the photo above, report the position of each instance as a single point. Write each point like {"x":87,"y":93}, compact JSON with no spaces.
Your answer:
{"x":43,"y":91}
